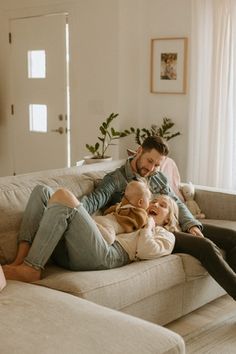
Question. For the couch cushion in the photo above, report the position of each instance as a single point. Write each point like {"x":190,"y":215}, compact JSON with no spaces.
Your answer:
{"x":120,"y":287}
{"x":39,"y":320}
{"x":228,"y":224}
{"x":216,"y":203}
{"x":192,"y":267}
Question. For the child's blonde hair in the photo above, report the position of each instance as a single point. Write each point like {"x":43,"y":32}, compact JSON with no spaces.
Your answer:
{"x":173,"y":223}
{"x":137,"y":189}
{"x":137,"y":194}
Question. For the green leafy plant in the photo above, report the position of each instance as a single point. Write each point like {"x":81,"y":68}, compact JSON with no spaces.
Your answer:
{"x":107,"y":135}
{"x":163,"y":131}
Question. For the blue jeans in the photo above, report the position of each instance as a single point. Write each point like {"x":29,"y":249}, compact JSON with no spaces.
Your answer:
{"x":68,"y":235}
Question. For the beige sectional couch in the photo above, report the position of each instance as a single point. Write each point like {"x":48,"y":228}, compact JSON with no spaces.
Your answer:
{"x":80,"y":303}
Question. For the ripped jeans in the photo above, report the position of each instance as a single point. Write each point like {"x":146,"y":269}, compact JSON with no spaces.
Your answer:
{"x":68,"y":235}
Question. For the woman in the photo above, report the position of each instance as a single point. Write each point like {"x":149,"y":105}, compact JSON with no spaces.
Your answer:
{"x":74,"y":242}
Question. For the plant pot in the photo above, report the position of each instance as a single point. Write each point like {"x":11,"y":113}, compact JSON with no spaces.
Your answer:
{"x":91,"y":159}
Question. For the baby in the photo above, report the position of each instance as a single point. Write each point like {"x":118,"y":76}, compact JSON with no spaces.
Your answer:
{"x":128,"y":215}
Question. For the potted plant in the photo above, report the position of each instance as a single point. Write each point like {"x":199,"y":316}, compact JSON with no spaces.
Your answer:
{"x":163,"y":131}
{"x":106,"y":138}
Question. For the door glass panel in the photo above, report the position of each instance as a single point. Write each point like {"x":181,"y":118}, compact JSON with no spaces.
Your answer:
{"x":38,"y":118}
{"x":36,"y":64}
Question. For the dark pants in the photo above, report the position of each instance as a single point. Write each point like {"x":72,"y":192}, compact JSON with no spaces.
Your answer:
{"x":207,"y":251}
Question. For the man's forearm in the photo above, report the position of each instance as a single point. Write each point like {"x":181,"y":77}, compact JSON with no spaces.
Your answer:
{"x":186,"y":219}
{"x":100,"y":196}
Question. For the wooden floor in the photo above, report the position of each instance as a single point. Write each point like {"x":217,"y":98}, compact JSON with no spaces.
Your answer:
{"x":204,"y":316}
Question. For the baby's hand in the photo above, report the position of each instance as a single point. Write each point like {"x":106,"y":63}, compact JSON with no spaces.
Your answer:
{"x":151,"y":223}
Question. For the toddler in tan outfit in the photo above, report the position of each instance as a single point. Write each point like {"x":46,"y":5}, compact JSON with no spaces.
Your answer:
{"x":128,"y":215}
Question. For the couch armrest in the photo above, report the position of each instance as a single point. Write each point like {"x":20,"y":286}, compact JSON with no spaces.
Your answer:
{"x":60,"y":323}
{"x":216,"y":203}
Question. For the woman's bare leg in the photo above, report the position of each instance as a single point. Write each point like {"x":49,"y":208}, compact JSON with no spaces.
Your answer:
{"x":22,"y":252}
{"x":20,"y":271}
{"x":65,"y":197}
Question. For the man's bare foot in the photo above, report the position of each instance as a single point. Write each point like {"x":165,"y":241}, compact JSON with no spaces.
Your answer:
{"x":21,"y":272}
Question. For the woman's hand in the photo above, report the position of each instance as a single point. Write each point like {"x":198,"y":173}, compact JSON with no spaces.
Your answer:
{"x":195,"y":231}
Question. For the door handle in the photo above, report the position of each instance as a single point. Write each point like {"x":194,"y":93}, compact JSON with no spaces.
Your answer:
{"x":60,"y":130}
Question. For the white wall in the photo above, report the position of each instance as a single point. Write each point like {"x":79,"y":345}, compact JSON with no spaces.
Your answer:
{"x":94,"y":75}
{"x":140,"y":21}
{"x":110,"y":64}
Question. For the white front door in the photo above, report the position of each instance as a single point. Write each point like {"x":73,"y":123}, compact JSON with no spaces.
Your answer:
{"x":39,"y":91}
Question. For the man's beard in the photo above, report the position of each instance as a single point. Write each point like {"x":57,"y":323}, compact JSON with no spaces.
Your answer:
{"x":143,"y":172}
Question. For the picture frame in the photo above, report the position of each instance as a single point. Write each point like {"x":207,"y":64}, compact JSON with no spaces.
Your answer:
{"x":168,"y":65}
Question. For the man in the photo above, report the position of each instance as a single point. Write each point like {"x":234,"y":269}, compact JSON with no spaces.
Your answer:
{"x":191,"y":241}
{"x":143,"y":165}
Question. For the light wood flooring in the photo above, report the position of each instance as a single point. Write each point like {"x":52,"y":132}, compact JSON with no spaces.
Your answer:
{"x":204,"y":316}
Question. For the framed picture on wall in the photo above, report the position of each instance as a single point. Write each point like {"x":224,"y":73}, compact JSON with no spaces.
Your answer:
{"x":168,"y":65}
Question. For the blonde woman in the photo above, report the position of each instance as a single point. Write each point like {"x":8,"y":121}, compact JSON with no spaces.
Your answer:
{"x":57,"y":226}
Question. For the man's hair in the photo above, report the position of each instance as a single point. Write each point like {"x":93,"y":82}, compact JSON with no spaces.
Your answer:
{"x":155,"y":142}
